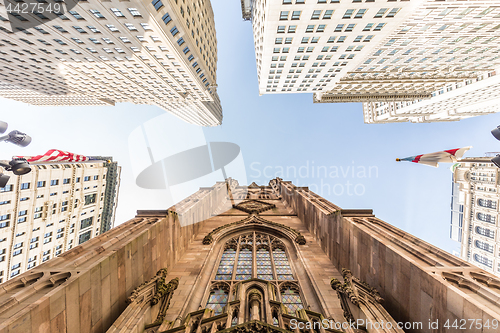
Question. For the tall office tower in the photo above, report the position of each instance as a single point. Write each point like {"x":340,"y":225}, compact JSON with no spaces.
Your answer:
{"x":475,"y":214}
{"x":455,"y":101}
{"x":52,"y":209}
{"x":281,"y":259}
{"x":161,"y":52}
{"x":371,"y":51}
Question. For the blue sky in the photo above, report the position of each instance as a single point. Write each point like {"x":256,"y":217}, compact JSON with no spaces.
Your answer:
{"x":278,"y":132}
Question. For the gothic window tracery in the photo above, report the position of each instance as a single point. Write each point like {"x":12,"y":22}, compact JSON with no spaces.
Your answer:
{"x":244,"y":270}
{"x":270,"y":262}
{"x":226,"y":265}
{"x":218,"y":298}
{"x":264,"y":268}
{"x":281,"y":263}
{"x":254,"y":255}
{"x":290,"y":297}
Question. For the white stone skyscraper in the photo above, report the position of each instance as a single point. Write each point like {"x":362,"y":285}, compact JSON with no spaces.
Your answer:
{"x":454,"y":101}
{"x":371,"y":51}
{"x":54,"y":208}
{"x":161,"y":52}
{"x":475,"y":212}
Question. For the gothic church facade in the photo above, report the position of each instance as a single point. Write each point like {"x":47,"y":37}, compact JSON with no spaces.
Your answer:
{"x":275,"y":258}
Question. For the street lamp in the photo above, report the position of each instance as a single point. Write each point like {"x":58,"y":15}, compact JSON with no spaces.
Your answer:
{"x":3,"y":127}
{"x":18,"y":138}
{"x":496,"y":132}
{"x":4,"y":179}
{"x":18,"y":166}
{"x":496,"y":160}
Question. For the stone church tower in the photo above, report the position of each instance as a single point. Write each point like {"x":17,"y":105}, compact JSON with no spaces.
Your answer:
{"x":274,"y":258}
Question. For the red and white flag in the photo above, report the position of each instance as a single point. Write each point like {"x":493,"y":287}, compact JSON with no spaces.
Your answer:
{"x":55,"y":155}
{"x":433,"y":159}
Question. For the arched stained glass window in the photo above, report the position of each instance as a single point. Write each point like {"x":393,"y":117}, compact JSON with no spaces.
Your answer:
{"x":264,"y":268}
{"x":226,"y":265}
{"x":270,"y":259}
{"x":485,"y":232}
{"x":217,"y":300}
{"x":484,"y":246}
{"x":254,"y":255}
{"x":282,"y":266}
{"x":244,"y":270}
{"x":483,"y":260}
{"x":290,"y":298}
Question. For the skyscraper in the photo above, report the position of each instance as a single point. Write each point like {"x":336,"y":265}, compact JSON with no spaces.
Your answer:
{"x":475,"y":214}
{"x":374,"y":52}
{"x":162,"y":53}
{"x":52,"y":209}
{"x":454,"y":101}
{"x":281,"y":259}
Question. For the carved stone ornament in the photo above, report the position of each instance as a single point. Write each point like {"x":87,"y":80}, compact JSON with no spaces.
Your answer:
{"x":164,"y":294}
{"x":254,"y":295}
{"x":254,"y":327}
{"x":163,"y":289}
{"x":353,"y":290}
{"x":207,"y":240}
{"x":300,"y":239}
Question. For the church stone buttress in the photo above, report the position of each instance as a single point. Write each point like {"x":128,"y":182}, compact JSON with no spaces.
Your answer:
{"x":232,"y":258}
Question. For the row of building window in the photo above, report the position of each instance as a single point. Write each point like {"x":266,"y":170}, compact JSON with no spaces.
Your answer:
{"x":53,"y":182}
{"x":349,"y":13}
{"x":488,"y":203}
{"x":166,"y":19}
{"x":300,"y":2}
{"x":321,"y":28}
{"x":485,"y":232}
{"x":486,"y":218}
{"x":324,"y":49}
{"x":32,"y":261}
{"x":174,"y":31}
{"x":483,"y":260}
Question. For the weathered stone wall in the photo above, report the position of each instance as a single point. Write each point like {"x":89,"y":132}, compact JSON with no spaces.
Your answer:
{"x":103,"y":273}
{"x":408,"y":272}
{"x":85,"y":289}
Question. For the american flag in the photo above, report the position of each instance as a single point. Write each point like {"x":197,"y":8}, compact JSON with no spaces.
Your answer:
{"x":55,"y":155}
